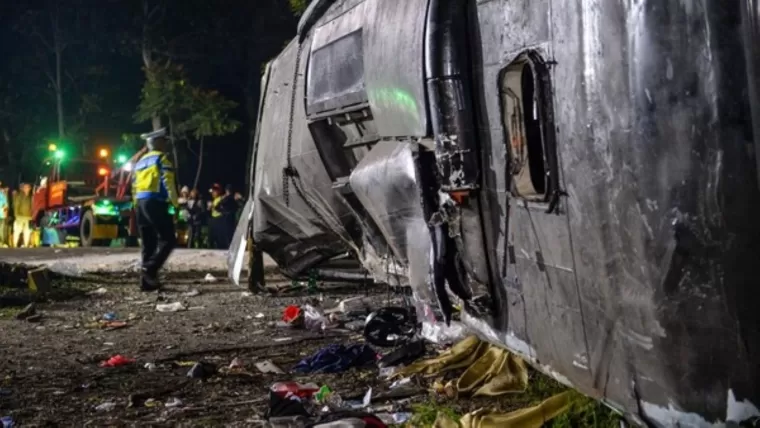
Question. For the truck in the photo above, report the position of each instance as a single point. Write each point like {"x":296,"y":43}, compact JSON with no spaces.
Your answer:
{"x":87,"y":201}
{"x":579,"y":177}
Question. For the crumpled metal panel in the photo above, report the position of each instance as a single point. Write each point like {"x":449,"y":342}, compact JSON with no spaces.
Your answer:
{"x":387,"y":184}
{"x":295,"y":233}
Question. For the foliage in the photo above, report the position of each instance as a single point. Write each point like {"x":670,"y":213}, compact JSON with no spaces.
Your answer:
{"x":298,"y":7}
{"x":209,"y":115}
{"x":193,"y":112}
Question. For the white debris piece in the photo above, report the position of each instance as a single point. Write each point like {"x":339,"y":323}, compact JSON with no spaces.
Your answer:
{"x":171,"y":307}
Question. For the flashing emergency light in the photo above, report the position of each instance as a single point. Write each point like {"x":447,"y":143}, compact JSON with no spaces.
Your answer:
{"x":105,"y":208}
{"x":103,"y":153}
{"x":102,"y":171}
{"x":52,"y":147}
{"x":122,"y":159}
{"x":59,"y":154}
{"x":128,"y":167}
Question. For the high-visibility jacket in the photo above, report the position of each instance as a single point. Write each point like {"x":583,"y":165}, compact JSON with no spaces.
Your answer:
{"x":215,"y":212}
{"x":153,"y":178}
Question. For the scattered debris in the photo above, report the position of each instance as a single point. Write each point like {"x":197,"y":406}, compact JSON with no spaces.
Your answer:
{"x":192,"y":293}
{"x":260,"y":315}
{"x":99,"y":292}
{"x":336,"y":358}
{"x":117,"y":361}
{"x":293,"y":316}
{"x":268,"y":366}
{"x":401,"y":382}
{"x":29,"y":311}
{"x":236,"y":363}
{"x":109,"y":316}
{"x":202,"y":370}
{"x":405,"y":355}
{"x":353,"y":304}
{"x":35,"y":318}
{"x":390,"y":326}
{"x":285,"y":389}
{"x":105,"y":407}
{"x":152,"y":402}
{"x":173,"y":403}
{"x":151,"y":366}
{"x":171,"y":307}
{"x":209,"y":278}
{"x":397,"y":418}
{"x":113,"y":325}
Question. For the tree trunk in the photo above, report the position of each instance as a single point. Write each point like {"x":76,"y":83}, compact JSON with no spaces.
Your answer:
{"x":175,"y":154}
{"x":58,"y":48}
{"x":200,"y":165}
{"x":147,"y":55}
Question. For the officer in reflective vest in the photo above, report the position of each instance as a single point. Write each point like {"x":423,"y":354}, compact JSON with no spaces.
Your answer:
{"x":215,"y":226}
{"x":154,"y":190}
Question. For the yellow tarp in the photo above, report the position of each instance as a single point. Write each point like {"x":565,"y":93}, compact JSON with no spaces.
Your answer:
{"x":532,"y":417}
{"x":490,"y":370}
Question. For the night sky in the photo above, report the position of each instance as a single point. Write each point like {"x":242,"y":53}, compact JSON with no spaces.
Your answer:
{"x":220,"y":48}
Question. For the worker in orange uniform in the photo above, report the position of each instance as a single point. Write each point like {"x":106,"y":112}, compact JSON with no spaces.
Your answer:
{"x":154,"y":190}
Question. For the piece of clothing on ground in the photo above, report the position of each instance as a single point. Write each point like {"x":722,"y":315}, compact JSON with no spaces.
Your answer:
{"x":156,"y":227}
{"x":531,"y":417}
{"x":337,"y":358}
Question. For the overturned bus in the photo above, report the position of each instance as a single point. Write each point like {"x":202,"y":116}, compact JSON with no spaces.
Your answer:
{"x":579,"y":175}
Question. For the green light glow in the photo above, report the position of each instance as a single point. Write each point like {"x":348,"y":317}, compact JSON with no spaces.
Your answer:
{"x":398,"y":98}
{"x":172,"y":210}
{"x":122,"y":159}
{"x":105,"y":208}
{"x":59,"y":154}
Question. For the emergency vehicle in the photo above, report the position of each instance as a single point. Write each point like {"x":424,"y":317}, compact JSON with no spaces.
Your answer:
{"x":86,"y":201}
{"x":80,"y":200}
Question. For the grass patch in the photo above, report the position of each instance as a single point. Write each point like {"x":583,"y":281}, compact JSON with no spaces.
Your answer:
{"x":425,"y":414}
{"x":583,"y":412}
{"x":9,"y":313}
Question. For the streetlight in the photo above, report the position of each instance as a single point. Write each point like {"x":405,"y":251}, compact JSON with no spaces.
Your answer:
{"x":104,"y":153}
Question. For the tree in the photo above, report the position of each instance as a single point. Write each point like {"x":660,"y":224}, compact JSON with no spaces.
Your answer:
{"x":52,"y":28}
{"x":193,"y":114}
{"x":209,"y":118}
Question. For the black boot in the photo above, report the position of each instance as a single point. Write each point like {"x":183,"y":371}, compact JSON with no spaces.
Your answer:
{"x":149,"y":280}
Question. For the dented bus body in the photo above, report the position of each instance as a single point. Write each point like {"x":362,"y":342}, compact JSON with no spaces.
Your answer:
{"x":580,"y":174}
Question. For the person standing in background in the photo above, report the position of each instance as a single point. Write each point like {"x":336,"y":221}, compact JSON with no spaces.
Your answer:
{"x":22,"y":212}
{"x":216,"y":223}
{"x":230,"y":206}
{"x":4,"y":214}
{"x":197,"y":216}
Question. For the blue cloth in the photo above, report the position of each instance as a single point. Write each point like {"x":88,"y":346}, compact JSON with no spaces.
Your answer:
{"x":337,"y":358}
{"x":3,"y":204}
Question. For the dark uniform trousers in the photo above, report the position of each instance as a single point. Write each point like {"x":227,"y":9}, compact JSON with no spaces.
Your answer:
{"x":156,"y":227}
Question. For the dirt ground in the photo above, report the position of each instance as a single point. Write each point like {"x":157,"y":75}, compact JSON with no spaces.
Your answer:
{"x":50,"y":373}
